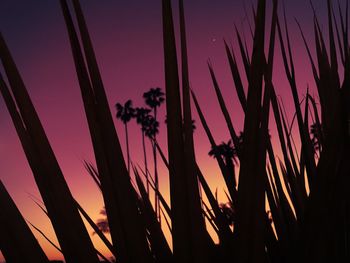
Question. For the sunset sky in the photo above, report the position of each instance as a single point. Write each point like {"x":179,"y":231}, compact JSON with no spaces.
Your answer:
{"x":127,"y":37}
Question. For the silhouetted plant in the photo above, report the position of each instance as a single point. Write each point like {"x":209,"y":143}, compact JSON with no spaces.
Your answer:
{"x":240,"y":142}
{"x":151,"y":127}
{"x":142,"y":115}
{"x":154,"y":98}
{"x":193,"y":123}
{"x":225,"y":150}
{"x":315,"y":137}
{"x":306,"y":227}
{"x":228,"y":212}
{"x":125,"y":113}
{"x":229,"y":154}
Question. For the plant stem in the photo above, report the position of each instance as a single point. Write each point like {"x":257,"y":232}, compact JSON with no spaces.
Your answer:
{"x":157,"y":204}
{"x":127,"y":146}
{"x":145,"y":161}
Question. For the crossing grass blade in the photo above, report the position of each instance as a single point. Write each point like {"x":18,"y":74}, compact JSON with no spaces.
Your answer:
{"x":159,"y":245}
{"x":17,"y":242}
{"x":224,"y":110}
{"x":224,"y":171}
{"x":250,"y":209}
{"x":121,"y":203}
{"x":198,"y":229}
{"x":236,"y":76}
{"x":70,"y":230}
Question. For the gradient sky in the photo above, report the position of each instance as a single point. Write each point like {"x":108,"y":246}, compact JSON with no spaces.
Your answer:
{"x":127,"y":37}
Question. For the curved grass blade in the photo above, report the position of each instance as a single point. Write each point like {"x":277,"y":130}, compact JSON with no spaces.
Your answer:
{"x":69,"y":228}
{"x":17,"y":242}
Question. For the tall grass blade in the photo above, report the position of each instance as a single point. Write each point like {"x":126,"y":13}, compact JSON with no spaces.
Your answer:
{"x":121,"y":203}
{"x":223,"y":230}
{"x":17,"y":242}
{"x":159,"y":245}
{"x":290,"y":72}
{"x":96,"y":229}
{"x":244,"y":55}
{"x":229,"y":180}
{"x":236,"y":77}
{"x":181,"y":224}
{"x":46,"y":237}
{"x":69,"y":228}
{"x":251,"y":208}
{"x":224,"y":110}
{"x":198,"y":228}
